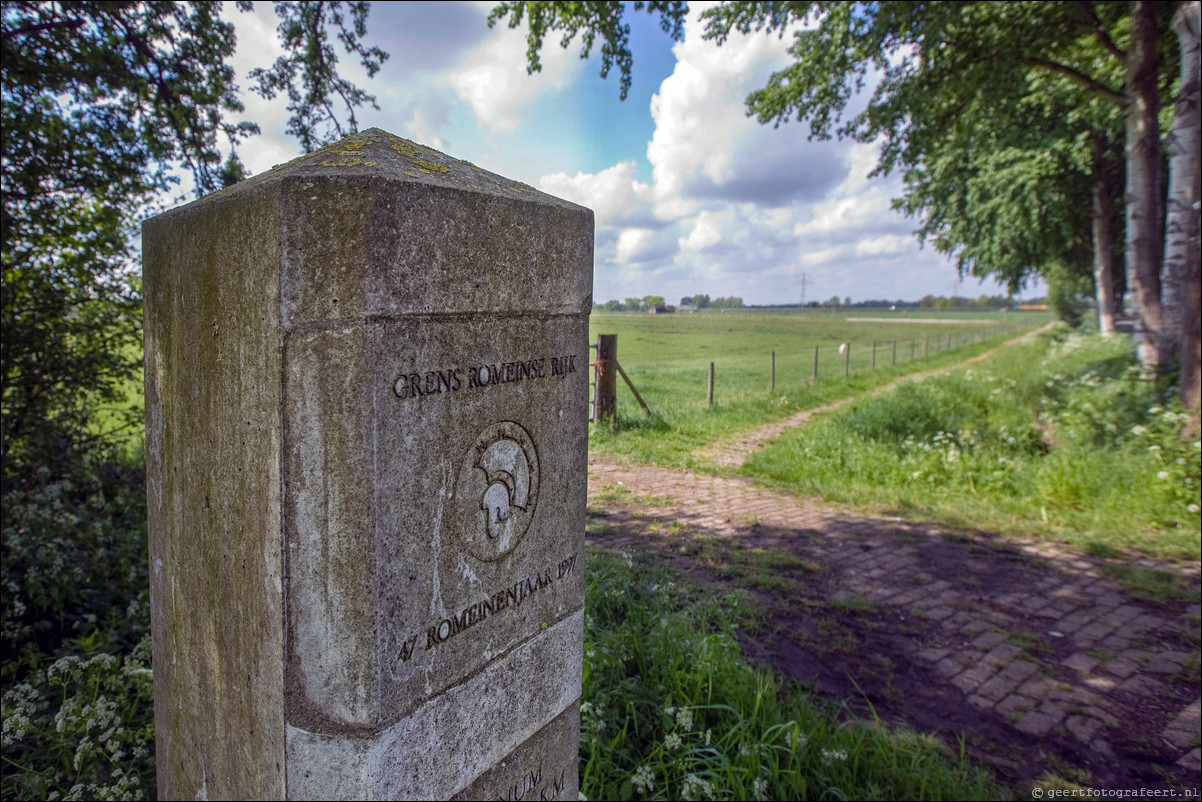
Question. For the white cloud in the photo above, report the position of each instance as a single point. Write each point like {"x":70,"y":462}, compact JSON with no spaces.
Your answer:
{"x":491,"y":79}
{"x":631,"y":241}
{"x":849,"y":213}
{"x":884,"y":246}
{"x":706,"y":232}
{"x":612,"y":194}
{"x":824,"y":256}
{"x":698,"y":111}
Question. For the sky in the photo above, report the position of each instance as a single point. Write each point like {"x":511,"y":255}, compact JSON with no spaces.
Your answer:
{"x":689,"y":194}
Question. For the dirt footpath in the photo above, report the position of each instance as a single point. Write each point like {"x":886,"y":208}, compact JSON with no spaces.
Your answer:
{"x":1031,"y":653}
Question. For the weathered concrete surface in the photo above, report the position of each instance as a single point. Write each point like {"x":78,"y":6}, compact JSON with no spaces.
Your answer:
{"x":390,"y":414}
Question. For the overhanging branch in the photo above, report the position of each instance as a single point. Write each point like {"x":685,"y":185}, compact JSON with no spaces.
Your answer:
{"x":1081,"y":79}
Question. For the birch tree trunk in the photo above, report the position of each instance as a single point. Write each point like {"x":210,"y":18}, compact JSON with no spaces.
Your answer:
{"x":1180,"y":326}
{"x":1144,"y":225}
{"x":1103,"y":248}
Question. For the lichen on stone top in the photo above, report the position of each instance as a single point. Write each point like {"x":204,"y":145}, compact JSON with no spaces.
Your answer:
{"x":377,"y":152}
{"x":431,"y":166}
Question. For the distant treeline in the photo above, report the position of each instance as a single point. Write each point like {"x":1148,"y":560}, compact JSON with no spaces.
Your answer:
{"x":649,"y":302}
{"x":927,"y":302}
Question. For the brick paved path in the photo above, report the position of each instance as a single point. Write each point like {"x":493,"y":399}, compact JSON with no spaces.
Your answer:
{"x":1030,"y":636}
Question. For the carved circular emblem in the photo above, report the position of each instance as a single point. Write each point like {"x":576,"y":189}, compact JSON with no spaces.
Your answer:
{"x":499,"y":480}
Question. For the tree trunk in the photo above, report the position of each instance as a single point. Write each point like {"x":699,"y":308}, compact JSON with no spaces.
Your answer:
{"x":1180,"y":330}
{"x":1103,"y":247}
{"x":1144,"y":224}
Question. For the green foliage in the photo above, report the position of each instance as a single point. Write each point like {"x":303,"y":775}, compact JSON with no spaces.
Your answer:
{"x":672,"y":711}
{"x":1060,"y":439}
{"x":588,"y":18}
{"x":1069,"y":291}
{"x":100,"y":102}
{"x":74,"y":538}
{"x":652,"y":301}
{"x":307,"y":71}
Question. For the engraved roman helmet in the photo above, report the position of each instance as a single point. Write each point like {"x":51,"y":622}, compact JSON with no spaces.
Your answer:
{"x":508,"y":473}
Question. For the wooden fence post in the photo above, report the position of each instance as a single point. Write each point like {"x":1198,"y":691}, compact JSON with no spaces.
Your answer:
{"x":605,"y":402}
{"x":709,"y":388}
{"x":873,"y":365}
{"x":814,"y":378}
{"x":895,"y":352}
{"x":772,"y":374}
{"x":847,"y":359}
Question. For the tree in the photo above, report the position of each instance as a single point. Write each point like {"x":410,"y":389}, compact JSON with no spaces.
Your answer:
{"x":652,"y":301}
{"x":933,"y":60}
{"x":99,"y":101}
{"x":701,"y":301}
{"x":1183,"y":229}
{"x":613,"y":305}
{"x":632,"y":304}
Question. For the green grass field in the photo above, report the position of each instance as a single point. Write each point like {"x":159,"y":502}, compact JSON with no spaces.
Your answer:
{"x":1057,"y":438}
{"x":667,"y":358}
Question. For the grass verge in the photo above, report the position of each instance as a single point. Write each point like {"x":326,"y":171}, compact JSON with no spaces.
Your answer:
{"x":672,"y":711}
{"x":1058,"y":438}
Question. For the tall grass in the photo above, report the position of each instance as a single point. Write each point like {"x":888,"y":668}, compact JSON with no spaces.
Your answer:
{"x":1059,"y":437}
{"x":672,"y":711}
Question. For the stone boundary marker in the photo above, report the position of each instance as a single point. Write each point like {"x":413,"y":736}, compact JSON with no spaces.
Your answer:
{"x":366,"y":402}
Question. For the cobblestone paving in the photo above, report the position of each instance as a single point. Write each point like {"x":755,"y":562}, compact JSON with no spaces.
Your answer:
{"x":1032,"y":636}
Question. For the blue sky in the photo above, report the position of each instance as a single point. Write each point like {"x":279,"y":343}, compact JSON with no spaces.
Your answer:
{"x":690,"y":195}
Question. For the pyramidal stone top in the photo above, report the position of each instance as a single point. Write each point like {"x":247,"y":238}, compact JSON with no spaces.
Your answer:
{"x":377,"y":225}
{"x":375,"y":153}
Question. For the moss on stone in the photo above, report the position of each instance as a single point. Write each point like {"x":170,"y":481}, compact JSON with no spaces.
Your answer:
{"x":431,"y":166}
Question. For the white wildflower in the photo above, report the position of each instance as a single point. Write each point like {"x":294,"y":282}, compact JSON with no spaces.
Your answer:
{"x":684,"y":719}
{"x":643,"y":780}
{"x":1162,"y":475}
{"x":672,"y":742}
{"x":759,"y":788}
{"x":830,"y":755}
{"x":696,"y":788}
{"x":1194,"y":508}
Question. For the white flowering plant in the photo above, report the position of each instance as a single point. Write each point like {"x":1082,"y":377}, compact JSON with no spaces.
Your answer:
{"x":82,"y":728}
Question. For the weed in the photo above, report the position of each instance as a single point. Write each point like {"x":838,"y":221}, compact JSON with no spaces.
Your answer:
{"x":1150,"y":584}
{"x":610,"y":495}
{"x":854,"y":603}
